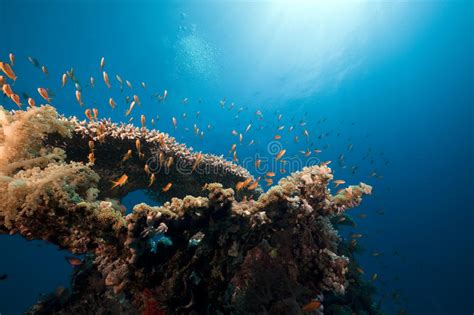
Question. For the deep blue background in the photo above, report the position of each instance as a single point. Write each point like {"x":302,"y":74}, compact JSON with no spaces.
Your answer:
{"x":393,"y":77}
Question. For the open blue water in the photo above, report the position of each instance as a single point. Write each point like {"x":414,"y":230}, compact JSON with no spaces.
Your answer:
{"x":392,"y":79}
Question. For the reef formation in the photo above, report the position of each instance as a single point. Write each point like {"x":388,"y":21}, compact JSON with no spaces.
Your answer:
{"x":207,"y":250}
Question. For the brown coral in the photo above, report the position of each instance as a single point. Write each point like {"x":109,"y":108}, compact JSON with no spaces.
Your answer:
{"x":224,"y":251}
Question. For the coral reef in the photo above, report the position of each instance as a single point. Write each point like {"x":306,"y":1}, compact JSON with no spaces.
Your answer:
{"x":207,"y":250}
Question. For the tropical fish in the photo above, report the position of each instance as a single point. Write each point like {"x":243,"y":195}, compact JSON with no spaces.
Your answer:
{"x":12,"y":59}
{"x":198,"y":159}
{"x":257,"y":163}
{"x":280,"y":154}
{"x":248,"y":128}
{"x":44,"y":94}
{"x":167,"y":187}
{"x":34,"y":61}
{"x":136,"y":99}
{"x":254,"y":184}
{"x":45,"y":70}
{"x":88,"y":114}
{"x":106,"y":79}
{"x":73,"y":261}
{"x":31,"y":102}
{"x":7,"y":90}
{"x":175,"y":123}
{"x":92,"y":82}
{"x":138,"y":145}
{"x":132,"y":104}
{"x":270,"y":174}
{"x":5,"y":67}
{"x":63,"y":80}
{"x":152,"y":179}
{"x":120,"y":182}
{"x":277,"y":137}
{"x":375,"y":276}
{"x":112,"y":103}
{"x":235,"y":156}
{"x":102,"y":63}
{"x":142,"y":120}
{"x":2,"y":80}
{"x":127,"y":155}
{"x":269,"y":181}
{"x":143,"y":85}
{"x":128,"y":84}
{"x":338,"y":182}
{"x":232,"y":148}
{"x":79,"y":97}
{"x":91,"y":145}
{"x":311,"y":306}
{"x":16,"y":99}
{"x":91,"y":158}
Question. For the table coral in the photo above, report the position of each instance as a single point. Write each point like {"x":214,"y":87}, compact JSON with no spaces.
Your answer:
{"x":225,"y":252}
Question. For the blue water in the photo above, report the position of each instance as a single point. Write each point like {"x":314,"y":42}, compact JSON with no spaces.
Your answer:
{"x":395,"y":77}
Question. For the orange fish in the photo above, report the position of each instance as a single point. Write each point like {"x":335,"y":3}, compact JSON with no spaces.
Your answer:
{"x":338,"y":182}
{"x":127,"y":155}
{"x":138,"y":145}
{"x":79,"y":97}
{"x":270,"y":174}
{"x":102,"y":63}
{"x":198,"y":159}
{"x":12,"y":59}
{"x":112,"y":103}
{"x":5,"y":67}
{"x":239,"y":186}
{"x":269,"y":181}
{"x":311,"y":306}
{"x":280,"y":154}
{"x":277,"y":137}
{"x":91,"y":158}
{"x":232,"y":148}
{"x":257,"y":163}
{"x":31,"y":102}
{"x":73,"y":261}
{"x":44,"y":94}
{"x":167,"y":187}
{"x":247,"y":181}
{"x":63,"y":80}
{"x":152,"y":180}
{"x":254,"y":184}
{"x":136,"y":99}
{"x":235,"y":156}
{"x":7,"y":90}
{"x":88,"y":114}
{"x":142,"y":120}
{"x":120,"y":182}
{"x":240,"y":138}
{"x":96,"y":113}
{"x":234,"y":132}
{"x":2,"y":80}
{"x":16,"y":99}
{"x":91,"y":145}
{"x":132,"y":104}
{"x":106,"y":79}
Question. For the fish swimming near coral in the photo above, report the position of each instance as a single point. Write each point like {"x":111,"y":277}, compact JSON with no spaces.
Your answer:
{"x":120,"y":182}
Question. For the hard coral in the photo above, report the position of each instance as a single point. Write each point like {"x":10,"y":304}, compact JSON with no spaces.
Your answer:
{"x":224,"y":253}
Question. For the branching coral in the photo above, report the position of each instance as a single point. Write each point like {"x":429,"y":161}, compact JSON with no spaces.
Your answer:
{"x":207,"y":250}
